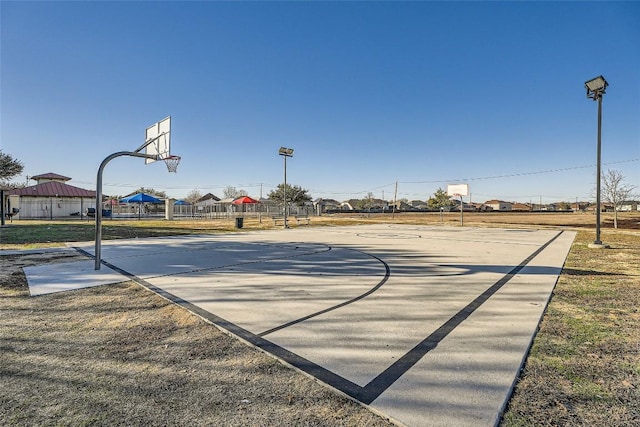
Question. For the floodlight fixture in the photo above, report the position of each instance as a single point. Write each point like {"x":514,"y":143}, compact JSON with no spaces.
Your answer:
{"x":284,"y":151}
{"x":596,"y":87}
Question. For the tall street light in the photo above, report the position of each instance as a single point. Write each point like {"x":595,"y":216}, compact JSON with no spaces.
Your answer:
{"x":285,"y":152}
{"x":595,"y":89}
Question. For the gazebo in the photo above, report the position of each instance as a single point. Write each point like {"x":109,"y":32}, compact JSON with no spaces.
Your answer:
{"x":50,"y":198}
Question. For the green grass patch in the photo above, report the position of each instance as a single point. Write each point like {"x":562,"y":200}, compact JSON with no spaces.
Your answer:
{"x":32,"y":234}
{"x":584,"y":365}
{"x":38,"y":234}
{"x":585,"y":329}
{"x":588,"y":390}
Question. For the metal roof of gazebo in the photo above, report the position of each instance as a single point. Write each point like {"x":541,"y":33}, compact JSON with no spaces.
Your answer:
{"x":52,"y":189}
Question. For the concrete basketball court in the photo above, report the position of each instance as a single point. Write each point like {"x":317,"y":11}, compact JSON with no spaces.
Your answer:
{"x":426,"y":325}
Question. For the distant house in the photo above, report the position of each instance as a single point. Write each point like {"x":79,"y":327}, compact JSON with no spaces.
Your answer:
{"x":499,"y":205}
{"x":206,"y":205}
{"x":379,"y":204}
{"x":629,"y":205}
{"x":468,"y":207}
{"x":419,"y":204}
{"x":521,"y":207}
{"x":604,"y":207}
{"x":207,"y":200}
{"x":324,"y":205}
{"x":579,"y":206}
{"x":50,"y":198}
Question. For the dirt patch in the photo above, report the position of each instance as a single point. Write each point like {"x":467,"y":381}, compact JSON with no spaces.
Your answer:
{"x":121,"y":355}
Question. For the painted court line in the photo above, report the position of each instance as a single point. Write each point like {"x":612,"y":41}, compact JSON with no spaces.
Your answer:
{"x":376,"y":387}
{"x":427,"y":325}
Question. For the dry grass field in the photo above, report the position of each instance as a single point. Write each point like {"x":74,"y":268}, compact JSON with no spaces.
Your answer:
{"x":120,"y":355}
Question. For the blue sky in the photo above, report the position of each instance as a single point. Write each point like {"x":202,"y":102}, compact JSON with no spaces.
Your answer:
{"x":367,"y":93}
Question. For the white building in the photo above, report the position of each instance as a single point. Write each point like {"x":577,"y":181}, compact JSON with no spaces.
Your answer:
{"x":50,"y":198}
{"x":499,"y":205}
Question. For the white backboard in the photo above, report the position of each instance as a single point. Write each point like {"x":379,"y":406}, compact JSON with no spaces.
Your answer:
{"x":457,"y":190}
{"x":160,"y":133}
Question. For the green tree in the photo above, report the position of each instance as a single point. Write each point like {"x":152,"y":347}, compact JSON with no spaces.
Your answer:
{"x":9,"y":167}
{"x":440,"y":199}
{"x":295,"y":194}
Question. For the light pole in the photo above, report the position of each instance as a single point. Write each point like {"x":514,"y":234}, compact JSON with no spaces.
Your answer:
{"x":285,"y":152}
{"x":596,"y":87}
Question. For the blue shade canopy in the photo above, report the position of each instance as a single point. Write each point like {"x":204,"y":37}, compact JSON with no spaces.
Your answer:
{"x":181,"y":202}
{"x":140,"y":198}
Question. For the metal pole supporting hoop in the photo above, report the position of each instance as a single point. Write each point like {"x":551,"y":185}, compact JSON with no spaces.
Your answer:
{"x":172,"y":163}
{"x":156,"y":147}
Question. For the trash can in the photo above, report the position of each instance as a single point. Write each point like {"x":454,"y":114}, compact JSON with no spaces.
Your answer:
{"x":239,"y":222}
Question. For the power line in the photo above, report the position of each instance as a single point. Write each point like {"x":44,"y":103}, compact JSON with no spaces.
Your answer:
{"x":517,"y":174}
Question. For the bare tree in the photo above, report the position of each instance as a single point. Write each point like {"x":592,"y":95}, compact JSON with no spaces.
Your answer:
{"x":367,"y":202}
{"x":232,"y":192}
{"x":615,"y":191}
{"x":193,"y":196}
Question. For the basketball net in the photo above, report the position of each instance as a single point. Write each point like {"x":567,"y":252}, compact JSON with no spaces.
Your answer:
{"x":172,"y":163}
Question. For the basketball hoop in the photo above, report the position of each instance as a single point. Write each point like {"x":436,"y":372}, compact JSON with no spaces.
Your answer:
{"x":172,"y":163}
